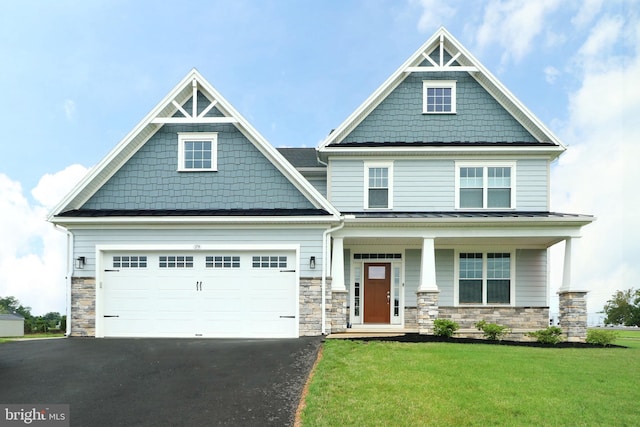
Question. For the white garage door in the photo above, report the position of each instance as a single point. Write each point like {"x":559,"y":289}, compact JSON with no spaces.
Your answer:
{"x":201,"y":294}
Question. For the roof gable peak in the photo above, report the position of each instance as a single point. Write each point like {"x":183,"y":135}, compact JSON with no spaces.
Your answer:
{"x":442,"y":52}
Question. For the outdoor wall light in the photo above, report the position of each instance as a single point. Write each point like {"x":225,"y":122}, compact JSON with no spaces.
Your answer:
{"x":312,"y":262}
{"x":80,"y":261}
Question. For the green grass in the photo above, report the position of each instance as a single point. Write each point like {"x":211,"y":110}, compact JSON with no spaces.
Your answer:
{"x":38,"y":335}
{"x":442,"y":384}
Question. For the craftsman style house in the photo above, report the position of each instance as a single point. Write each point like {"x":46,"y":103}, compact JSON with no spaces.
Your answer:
{"x":430,"y":201}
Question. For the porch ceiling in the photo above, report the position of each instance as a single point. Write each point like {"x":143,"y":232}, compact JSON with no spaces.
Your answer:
{"x":449,"y":242}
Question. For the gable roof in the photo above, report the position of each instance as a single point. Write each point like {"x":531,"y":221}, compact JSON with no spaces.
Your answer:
{"x":461,"y":60}
{"x":171,"y":110}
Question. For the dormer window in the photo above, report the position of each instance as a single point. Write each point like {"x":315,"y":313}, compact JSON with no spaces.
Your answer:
{"x":439,"y":97}
{"x":197,"y":152}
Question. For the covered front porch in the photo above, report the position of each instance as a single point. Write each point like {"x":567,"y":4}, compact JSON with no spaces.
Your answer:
{"x":399,"y":276}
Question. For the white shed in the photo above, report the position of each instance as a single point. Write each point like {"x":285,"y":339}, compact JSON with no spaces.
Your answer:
{"x":11,"y":325}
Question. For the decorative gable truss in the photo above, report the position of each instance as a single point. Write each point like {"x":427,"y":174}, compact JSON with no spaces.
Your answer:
{"x":443,"y":53}
{"x":192,"y":101}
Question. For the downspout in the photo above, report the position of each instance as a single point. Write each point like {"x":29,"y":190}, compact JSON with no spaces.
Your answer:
{"x":69,"y":274}
{"x":325,"y":264}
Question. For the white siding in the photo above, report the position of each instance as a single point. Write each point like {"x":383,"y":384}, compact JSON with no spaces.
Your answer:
{"x":347,"y":185}
{"x":444,"y":275}
{"x":424,"y":185}
{"x":532,"y":185}
{"x":310,"y":241}
{"x":411,"y":276}
{"x":531,"y":278}
{"x":429,"y":185}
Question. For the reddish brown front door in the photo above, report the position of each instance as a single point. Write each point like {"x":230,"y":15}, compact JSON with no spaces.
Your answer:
{"x":377,"y":289}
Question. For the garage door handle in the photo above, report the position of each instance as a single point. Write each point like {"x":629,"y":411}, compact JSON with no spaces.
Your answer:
{"x":111,"y":315}
{"x":287,"y":271}
{"x":287,"y":317}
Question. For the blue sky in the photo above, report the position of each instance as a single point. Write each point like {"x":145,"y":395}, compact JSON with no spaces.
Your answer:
{"x":77,"y":76}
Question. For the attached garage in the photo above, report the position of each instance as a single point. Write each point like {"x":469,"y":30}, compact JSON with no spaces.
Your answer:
{"x":199,"y":293}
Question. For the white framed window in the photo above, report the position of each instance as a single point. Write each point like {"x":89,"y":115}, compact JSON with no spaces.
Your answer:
{"x":378,"y":191}
{"x":485,"y":185}
{"x":485,"y":278}
{"x":197,"y":152}
{"x":439,"y":96}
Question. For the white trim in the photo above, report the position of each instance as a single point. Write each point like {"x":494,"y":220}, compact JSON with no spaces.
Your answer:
{"x":512,"y":273}
{"x":194,"y":220}
{"x":202,"y":137}
{"x":378,"y":164}
{"x":485,"y":185}
{"x":444,"y":84}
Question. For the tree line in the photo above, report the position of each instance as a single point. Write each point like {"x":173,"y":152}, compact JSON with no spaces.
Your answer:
{"x":623,"y":308}
{"x":50,"y":322}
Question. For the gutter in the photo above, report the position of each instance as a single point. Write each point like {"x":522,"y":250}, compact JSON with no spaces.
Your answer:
{"x":68,"y":274}
{"x":325,"y":263}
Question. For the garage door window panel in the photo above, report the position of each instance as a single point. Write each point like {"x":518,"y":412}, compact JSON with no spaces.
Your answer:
{"x":269,"y":261}
{"x":176,"y":261}
{"x":222,"y":261}
{"x":129,"y":261}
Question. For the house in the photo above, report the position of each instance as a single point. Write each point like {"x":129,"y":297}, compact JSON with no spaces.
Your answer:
{"x":431,"y":200}
{"x":11,"y":325}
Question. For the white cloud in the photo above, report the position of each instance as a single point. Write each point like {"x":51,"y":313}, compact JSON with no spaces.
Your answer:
{"x":513,"y":25}
{"x":53,"y":187}
{"x":597,"y":173}
{"x":587,"y":12}
{"x":551,"y":73}
{"x":32,"y":251}
{"x":434,"y":14}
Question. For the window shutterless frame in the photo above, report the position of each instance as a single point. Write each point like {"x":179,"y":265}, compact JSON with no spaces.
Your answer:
{"x":438,"y":96}
{"x":484,"y":278}
{"x":378,"y":185}
{"x":197,"y":152}
{"x":487,"y":185}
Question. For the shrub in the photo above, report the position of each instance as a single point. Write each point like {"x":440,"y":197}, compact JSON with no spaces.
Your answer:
{"x":601,"y":337}
{"x":550,"y":335}
{"x":444,"y":327}
{"x":492,"y":331}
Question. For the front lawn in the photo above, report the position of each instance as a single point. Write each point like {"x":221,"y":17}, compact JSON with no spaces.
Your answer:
{"x":443,"y":384}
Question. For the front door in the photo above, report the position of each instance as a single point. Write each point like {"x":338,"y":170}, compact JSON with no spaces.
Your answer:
{"x":377,"y":293}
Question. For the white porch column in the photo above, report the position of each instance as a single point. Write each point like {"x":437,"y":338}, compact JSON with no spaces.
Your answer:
{"x":573,"y":302}
{"x":428,"y":266}
{"x":337,"y":265}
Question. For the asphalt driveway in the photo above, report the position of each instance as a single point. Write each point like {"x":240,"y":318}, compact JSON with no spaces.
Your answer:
{"x":153,"y":382}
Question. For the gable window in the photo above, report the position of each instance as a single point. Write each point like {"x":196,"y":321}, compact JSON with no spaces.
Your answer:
{"x":378,"y":185}
{"x":484,"y":278}
{"x":197,"y":152}
{"x":439,"y":97}
{"x":485,"y":186}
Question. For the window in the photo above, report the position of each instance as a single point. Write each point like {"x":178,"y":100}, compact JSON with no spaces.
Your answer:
{"x":222,"y":261}
{"x":130,"y":261}
{"x":176,"y":261}
{"x":197,"y":152}
{"x":485,"y":186}
{"x":439,"y":97}
{"x":484,"y":278}
{"x":269,"y":262}
{"x":378,"y":185}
